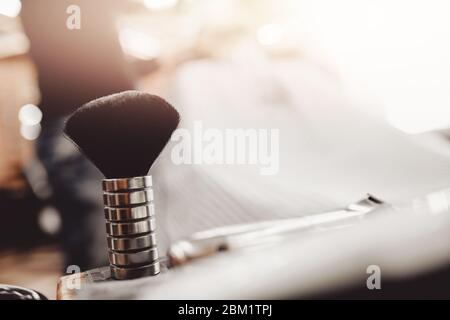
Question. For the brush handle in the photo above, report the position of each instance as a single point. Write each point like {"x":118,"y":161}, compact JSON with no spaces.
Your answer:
{"x":130,"y":227}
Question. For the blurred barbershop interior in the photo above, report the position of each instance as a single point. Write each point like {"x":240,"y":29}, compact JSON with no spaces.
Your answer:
{"x":357,"y":91}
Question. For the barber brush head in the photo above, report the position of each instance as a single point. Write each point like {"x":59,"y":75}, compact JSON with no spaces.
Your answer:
{"x":123,"y":133}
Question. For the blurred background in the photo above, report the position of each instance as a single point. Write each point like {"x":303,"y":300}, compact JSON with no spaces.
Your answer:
{"x":389,"y":60}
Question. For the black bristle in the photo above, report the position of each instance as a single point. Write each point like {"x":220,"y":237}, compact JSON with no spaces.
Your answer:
{"x":123,"y":133}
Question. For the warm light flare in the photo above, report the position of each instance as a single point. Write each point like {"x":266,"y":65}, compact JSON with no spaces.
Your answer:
{"x":270,"y":34}
{"x":159,"y":5}
{"x":10,"y":8}
{"x":139,"y":44}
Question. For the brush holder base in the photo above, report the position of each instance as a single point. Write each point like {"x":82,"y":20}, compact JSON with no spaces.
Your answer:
{"x":130,"y":227}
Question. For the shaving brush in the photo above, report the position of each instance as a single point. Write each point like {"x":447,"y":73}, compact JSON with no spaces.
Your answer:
{"x":123,"y":134}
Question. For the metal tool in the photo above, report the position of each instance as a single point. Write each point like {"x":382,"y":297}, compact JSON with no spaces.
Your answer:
{"x":131,"y":225}
{"x":8,"y":292}
{"x":205,"y":243}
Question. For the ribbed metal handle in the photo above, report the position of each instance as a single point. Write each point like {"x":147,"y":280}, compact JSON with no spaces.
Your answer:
{"x":130,"y":225}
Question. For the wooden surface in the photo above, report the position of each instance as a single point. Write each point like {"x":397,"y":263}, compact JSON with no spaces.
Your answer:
{"x":37,"y":269}
{"x":18,"y":87}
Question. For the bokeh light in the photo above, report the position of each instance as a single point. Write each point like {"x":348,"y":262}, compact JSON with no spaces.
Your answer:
{"x":139,"y":44}
{"x":10,"y":8}
{"x":270,"y":34}
{"x":30,"y":115}
{"x":159,"y":5}
{"x":30,"y":132}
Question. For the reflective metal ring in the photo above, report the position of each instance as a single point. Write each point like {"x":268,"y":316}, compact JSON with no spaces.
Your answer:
{"x":133,"y":273}
{"x":123,"y":184}
{"x":131,"y":213}
{"x":130,"y":228}
{"x":136,"y":243}
{"x":127,"y":198}
{"x":133,"y":259}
